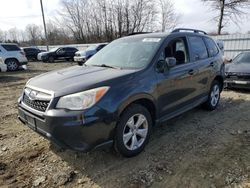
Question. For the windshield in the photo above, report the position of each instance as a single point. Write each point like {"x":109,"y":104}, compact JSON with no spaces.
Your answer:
{"x":91,"y":48}
{"x":53,"y":49}
{"x":242,"y":58}
{"x":131,"y":53}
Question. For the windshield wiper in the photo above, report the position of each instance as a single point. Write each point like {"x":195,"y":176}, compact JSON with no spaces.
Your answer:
{"x":107,"y":66}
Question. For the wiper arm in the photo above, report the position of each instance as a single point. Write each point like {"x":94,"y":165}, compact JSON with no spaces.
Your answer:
{"x":107,"y":66}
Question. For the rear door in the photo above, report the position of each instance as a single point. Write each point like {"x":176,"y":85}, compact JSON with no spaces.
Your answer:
{"x":214,"y":59}
{"x":199,"y":55}
{"x":178,"y":86}
{"x":70,"y":52}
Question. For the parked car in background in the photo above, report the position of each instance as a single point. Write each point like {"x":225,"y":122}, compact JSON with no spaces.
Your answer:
{"x":58,"y":53}
{"x":129,"y":86}
{"x":32,"y":52}
{"x":82,"y":56}
{"x":3,"y":66}
{"x":12,"y":56}
{"x":238,"y":72}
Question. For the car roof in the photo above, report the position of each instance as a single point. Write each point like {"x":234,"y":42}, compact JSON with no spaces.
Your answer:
{"x":165,"y":34}
{"x":30,"y":48}
{"x":8,"y":44}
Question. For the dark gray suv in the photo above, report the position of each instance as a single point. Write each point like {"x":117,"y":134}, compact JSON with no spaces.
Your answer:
{"x":131,"y":85}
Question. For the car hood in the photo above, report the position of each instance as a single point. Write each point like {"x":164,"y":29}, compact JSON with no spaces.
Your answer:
{"x":238,"y":67}
{"x":77,"y":78}
{"x":43,"y":53}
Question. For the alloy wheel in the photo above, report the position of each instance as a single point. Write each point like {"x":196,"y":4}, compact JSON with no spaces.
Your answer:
{"x":12,"y":65}
{"x":215,"y":95}
{"x":135,"y":132}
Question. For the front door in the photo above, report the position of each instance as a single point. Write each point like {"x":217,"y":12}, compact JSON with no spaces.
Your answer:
{"x":178,"y":86}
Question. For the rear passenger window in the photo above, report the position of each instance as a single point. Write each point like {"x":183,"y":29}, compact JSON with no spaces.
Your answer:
{"x":211,"y":46}
{"x":9,"y":47}
{"x":198,"y":47}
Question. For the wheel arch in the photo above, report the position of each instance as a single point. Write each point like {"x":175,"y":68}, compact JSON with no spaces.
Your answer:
{"x":9,"y":58}
{"x":145,"y":100}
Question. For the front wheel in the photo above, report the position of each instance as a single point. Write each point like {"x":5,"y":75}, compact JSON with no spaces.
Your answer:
{"x":214,"y":96}
{"x":133,"y":130}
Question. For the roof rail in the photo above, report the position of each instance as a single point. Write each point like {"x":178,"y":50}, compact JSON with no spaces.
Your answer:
{"x":186,"y":29}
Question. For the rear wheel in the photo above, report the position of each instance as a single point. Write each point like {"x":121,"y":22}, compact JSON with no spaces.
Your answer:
{"x":133,"y":130}
{"x":51,"y":59}
{"x":214,"y":96}
{"x":12,"y":64}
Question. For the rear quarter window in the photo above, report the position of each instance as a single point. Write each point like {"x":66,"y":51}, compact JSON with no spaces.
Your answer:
{"x":9,"y":47}
{"x":211,"y":47}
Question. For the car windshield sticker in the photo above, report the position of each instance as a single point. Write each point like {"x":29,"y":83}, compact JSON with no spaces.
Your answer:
{"x":151,"y":40}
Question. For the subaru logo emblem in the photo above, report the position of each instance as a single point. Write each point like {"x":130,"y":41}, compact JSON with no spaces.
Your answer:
{"x":32,"y":95}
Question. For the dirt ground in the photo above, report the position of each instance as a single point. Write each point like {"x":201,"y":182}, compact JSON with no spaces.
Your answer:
{"x":196,"y":149}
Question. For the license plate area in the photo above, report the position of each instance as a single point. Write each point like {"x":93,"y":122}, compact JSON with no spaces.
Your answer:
{"x":31,"y":122}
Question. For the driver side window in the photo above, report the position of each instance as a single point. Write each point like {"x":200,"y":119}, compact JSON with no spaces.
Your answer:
{"x":176,"y":48}
{"x":61,"y":51}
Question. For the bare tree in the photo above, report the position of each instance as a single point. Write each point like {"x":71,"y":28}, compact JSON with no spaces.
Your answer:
{"x":105,"y":20}
{"x":168,"y":17}
{"x":73,"y":17}
{"x":228,"y":10}
{"x":2,"y":39}
{"x":13,"y":35}
{"x":33,"y":33}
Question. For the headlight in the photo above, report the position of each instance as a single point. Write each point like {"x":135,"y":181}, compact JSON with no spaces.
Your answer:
{"x":82,"y":100}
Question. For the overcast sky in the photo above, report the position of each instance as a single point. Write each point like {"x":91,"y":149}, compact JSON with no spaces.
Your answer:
{"x":194,"y":14}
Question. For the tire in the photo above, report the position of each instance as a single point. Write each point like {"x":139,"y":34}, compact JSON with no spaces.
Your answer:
{"x":12,"y":64}
{"x":214,"y":96}
{"x":131,"y":137}
{"x":51,"y":59}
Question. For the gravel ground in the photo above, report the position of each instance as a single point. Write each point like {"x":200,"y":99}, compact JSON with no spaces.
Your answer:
{"x":196,"y":149}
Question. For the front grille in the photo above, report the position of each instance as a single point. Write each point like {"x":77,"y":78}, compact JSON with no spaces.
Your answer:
{"x":237,"y":76}
{"x":40,"y":105}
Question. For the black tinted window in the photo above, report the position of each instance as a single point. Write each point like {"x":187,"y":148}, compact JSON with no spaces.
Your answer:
{"x":71,"y":49}
{"x":11,"y":47}
{"x":211,"y":46}
{"x":198,"y":47}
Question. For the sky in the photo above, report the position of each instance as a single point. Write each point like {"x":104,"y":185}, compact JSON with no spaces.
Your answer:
{"x":193,"y":14}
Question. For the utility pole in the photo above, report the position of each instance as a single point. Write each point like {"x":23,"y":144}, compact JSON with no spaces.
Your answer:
{"x":44,"y":25}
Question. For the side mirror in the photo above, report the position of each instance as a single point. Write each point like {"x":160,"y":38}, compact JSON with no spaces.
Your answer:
{"x":161,"y":66}
{"x":171,"y":62}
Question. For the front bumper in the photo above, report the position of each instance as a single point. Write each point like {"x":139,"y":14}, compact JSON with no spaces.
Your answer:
{"x":241,"y":84}
{"x":23,"y":63}
{"x":70,"y":129}
{"x":79,"y":59}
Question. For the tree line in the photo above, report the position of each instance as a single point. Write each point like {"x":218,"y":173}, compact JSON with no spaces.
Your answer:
{"x":90,"y":21}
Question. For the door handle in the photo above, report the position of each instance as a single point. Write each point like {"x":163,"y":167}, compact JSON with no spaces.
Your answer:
{"x":212,"y":64}
{"x":191,"y":72}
